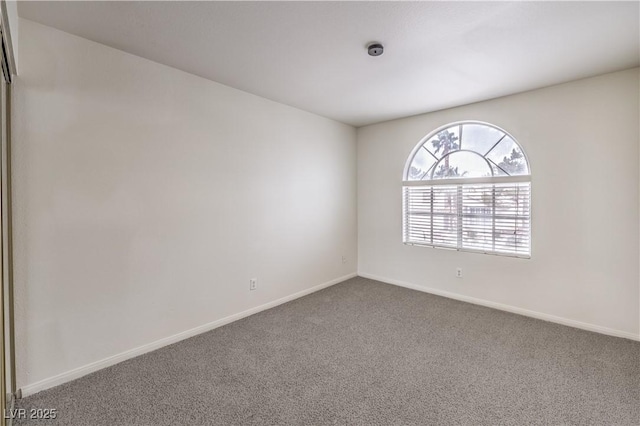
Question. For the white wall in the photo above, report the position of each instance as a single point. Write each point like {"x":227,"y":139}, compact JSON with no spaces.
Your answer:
{"x":582,"y":142}
{"x":145,"y":198}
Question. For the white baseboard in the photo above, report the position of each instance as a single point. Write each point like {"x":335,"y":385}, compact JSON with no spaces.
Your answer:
{"x":507,"y":308}
{"x":123,"y":356}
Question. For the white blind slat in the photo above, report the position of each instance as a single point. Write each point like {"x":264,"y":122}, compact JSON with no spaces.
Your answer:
{"x":492,"y":218}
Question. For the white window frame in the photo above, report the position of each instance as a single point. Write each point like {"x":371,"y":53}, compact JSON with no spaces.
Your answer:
{"x":459,"y":182}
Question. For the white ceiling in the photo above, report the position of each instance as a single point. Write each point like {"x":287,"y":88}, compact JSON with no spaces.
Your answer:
{"x":312,"y":55}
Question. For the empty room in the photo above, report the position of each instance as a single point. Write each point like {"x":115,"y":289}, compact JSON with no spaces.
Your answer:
{"x":320,"y":213}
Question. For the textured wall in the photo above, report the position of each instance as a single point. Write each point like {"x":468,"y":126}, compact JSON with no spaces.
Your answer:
{"x":146,"y":198}
{"x":582,"y":141}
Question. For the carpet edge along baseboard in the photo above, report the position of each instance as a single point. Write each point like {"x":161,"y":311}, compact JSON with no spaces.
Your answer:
{"x":507,"y":308}
{"x":78,"y":372}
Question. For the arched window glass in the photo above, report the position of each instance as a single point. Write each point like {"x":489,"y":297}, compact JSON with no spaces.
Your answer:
{"x":467,"y":186}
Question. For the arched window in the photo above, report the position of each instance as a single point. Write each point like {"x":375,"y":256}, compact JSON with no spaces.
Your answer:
{"x":467,"y":186}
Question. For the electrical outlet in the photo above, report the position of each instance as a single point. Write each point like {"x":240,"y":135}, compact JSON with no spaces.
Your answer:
{"x":253,"y":283}
{"x":344,"y":259}
{"x":458,"y":272}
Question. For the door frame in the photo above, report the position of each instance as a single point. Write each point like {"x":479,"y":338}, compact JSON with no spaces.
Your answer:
{"x":8,"y":388}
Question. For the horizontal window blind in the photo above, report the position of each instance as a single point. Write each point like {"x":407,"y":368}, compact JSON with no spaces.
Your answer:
{"x":489,"y":218}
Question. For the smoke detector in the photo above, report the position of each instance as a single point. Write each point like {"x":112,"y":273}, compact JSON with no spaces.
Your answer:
{"x":375,"y":49}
